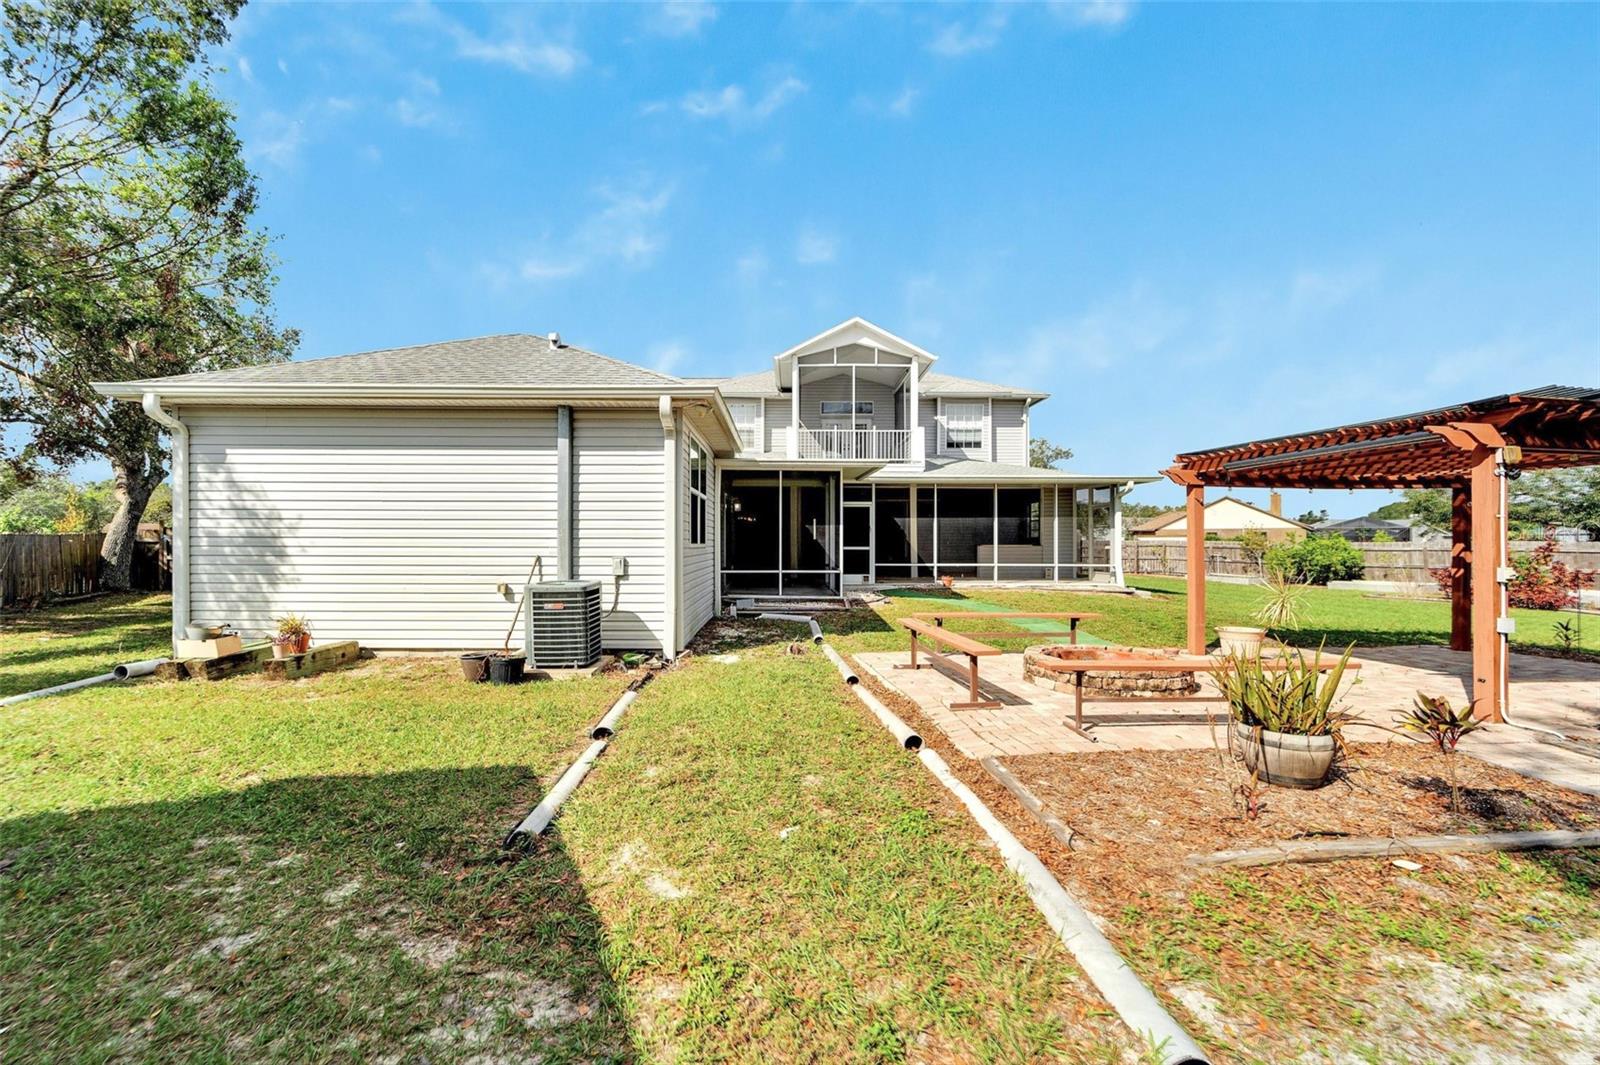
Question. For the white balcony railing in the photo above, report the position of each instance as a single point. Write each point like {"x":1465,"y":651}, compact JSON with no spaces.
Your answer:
{"x":864,"y":445}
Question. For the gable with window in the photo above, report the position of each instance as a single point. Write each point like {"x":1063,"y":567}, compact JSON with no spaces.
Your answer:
{"x":964,"y":427}
{"x":699,"y":491}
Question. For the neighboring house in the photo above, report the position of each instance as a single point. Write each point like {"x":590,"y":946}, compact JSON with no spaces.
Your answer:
{"x":1227,"y":518}
{"x":1364,"y":529}
{"x":389,"y":495}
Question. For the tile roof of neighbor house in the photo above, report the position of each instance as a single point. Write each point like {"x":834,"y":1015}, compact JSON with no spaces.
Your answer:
{"x":508,"y":359}
{"x":764,"y":383}
{"x":1162,"y":520}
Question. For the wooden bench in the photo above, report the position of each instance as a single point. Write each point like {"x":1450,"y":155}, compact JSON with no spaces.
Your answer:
{"x":1135,"y":663}
{"x":965,"y":643}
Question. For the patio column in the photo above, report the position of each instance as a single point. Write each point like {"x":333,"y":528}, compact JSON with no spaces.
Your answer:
{"x":1460,"y":569}
{"x":1195,"y":522}
{"x":1487,"y":546}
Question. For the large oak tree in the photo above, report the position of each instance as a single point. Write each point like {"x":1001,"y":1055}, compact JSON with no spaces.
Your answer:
{"x":126,"y":245}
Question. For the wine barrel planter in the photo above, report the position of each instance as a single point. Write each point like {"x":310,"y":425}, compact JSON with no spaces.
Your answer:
{"x":1118,"y":684}
{"x":1285,"y":760}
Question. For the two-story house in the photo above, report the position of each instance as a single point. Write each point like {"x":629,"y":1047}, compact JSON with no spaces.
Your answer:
{"x":404,"y":497}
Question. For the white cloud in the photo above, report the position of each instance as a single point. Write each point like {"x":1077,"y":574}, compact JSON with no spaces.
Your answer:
{"x":625,"y":230}
{"x":1317,"y":291}
{"x":734,"y":105}
{"x":517,"y":42}
{"x":1120,"y":330}
{"x":245,"y":70}
{"x":1106,"y":14}
{"x":751,"y":267}
{"x":956,"y":39}
{"x":680,"y":18}
{"x":813,"y":247}
{"x":283,"y":67}
{"x":420,"y":107}
{"x":667,"y":356}
{"x":279,"y":141}
{"x":900,"y":105}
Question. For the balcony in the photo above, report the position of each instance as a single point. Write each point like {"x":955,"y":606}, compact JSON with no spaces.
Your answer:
{"x":856,"y":445}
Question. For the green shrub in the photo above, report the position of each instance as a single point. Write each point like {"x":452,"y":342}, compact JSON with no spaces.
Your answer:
{"x":1316,"y":560}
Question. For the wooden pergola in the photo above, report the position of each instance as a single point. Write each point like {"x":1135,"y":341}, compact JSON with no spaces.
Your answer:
{"x":1472,"y":449}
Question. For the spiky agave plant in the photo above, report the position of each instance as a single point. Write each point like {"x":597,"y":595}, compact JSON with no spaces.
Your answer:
{"x":1433,"y":716}
{"x":1285,"y":597}
{"x":1294,"y":697}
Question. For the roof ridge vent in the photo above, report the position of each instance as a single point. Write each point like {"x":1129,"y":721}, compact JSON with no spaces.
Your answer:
{"x":554,"y":339}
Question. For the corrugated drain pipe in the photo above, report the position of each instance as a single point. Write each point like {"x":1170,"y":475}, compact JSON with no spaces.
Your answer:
{"x":539,"y":818}
{"x":1135,"y":1003}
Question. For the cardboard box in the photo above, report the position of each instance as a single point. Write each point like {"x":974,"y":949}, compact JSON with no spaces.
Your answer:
{"x":225,"y":645}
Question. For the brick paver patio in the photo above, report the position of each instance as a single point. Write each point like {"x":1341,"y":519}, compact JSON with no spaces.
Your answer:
{"x":1546,"y":692}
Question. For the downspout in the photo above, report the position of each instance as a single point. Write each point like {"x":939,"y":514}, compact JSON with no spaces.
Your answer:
{"x":672,"y":544}
{"x":180,"y":510}
{"x":565,"y":563}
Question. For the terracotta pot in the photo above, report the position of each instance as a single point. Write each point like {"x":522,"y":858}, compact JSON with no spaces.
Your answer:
{"x":1283,"y":759}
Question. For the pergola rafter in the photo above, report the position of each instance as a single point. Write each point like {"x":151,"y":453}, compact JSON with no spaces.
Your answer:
{"x":1471,"y":448}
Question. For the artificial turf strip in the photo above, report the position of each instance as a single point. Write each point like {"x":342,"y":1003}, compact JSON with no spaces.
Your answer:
{"x":777,"y":875}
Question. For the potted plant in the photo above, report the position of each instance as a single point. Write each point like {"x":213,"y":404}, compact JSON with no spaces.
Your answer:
{"x":1240,"y":641}
{"x":294,"y":636}
{"x":1283,"y":719}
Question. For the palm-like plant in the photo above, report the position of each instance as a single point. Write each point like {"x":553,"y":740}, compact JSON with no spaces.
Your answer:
{"x":1285,"y":597}
{"x":1433,"y":716}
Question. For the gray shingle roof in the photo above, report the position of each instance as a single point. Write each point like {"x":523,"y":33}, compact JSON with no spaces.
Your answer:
{"x":981,"y":472}
{"x":509,"y":359}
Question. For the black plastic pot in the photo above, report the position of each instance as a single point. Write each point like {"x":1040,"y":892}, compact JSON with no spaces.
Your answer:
{"x":475,"y":666}
{"x":506,"y":669}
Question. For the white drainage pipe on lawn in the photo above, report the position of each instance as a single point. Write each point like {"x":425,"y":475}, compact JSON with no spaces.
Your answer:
{"x":800,"y":619}
{"x":901,"y":731}
{"x":124,"y":672}
{"x":539,"y":818}
{"x":1127,"y":994}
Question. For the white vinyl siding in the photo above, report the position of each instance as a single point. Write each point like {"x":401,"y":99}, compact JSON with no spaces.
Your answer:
{"x":391,"y":527}
{"x":928,"y":419}
{"x":780,"y":416}
{"x":619,"y":496}
{"x":836,"y":389}
{"x":1010,"y":432}
{"x":699,"y":579}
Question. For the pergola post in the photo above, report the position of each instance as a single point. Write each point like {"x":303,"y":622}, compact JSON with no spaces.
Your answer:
{"x":1194,"y":502}
{"x":1487,"y":547}
{"x":1460,"y":569}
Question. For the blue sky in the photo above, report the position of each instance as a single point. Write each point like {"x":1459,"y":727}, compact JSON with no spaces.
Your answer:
{"x":1192,"y":224}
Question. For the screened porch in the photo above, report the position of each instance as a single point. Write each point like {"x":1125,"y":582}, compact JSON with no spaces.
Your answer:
{"x":814,"y":533}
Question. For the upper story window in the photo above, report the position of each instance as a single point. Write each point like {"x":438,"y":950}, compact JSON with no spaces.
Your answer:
{"x":842,"y":406}
{"x":699,"y":490}
{"x":963,"y":425}
{"x":747,"y":417}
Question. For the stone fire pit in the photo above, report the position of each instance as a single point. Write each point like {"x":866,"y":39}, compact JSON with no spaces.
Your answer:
{"x":1118,"y":684}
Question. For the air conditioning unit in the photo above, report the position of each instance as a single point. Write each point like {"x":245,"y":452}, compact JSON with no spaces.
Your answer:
{"x":562,"y":624}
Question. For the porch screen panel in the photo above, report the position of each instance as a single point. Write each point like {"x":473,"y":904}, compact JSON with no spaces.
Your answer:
{"x":810,"y":534}
{"x":892,"y":535}
{"x":965,"y":528}
{"x":1023,"y":534}
{"x":1092,"y":533}
{"x":750,"y":532}
{"x":923,"y":546}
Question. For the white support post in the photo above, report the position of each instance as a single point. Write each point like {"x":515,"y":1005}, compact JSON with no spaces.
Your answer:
{"x":994,"y":533}
{"x":780,"y":533}
{"x":1055,"y":533}
{"x":919,"y":439}
{"x":1116,"y":536}
{"x":794,"y":412}
{"x":935,"y":490}
{"x":911,"y":537}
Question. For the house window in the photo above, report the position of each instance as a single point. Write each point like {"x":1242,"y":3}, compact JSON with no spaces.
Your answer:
{"x":841,"y":407}
{"x":963,"y":426}
{"x":747,"y":418}
{"x":699,"y":481}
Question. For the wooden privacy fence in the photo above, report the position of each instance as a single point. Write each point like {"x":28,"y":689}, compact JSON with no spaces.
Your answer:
{"x":39,"y":566}
{"x":1407,"y":563}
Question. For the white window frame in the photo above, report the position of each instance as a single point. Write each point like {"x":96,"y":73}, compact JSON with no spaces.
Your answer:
{"x":699,"y":496}
{"x":759,"y":424}
{"x":943,"y":427}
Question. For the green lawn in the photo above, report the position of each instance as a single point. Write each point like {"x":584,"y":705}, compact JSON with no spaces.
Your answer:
{"x":42,"y":648}
{"x":1340,"y":617}
{"x":309,"y":870}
